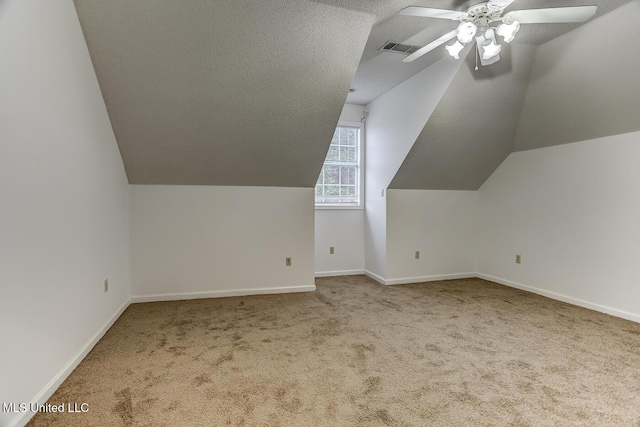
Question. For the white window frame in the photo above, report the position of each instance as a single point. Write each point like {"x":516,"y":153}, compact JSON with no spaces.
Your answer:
{"x":360,"y":177}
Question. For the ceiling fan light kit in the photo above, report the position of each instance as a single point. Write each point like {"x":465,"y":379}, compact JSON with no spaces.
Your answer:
{"x":476,"y":23}
{"x":508,"y":31}
{"x":490,"y":48}
{"x":466,"y":32}
{"x":455,"y":49}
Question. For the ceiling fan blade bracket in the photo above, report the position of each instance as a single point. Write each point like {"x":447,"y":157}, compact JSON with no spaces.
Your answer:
{"x":507,"y":19}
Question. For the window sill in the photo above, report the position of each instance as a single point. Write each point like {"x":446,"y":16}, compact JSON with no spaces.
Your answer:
{"x":339,"y":207}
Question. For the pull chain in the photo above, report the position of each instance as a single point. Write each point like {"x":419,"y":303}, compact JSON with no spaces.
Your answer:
{"x":477,"y":54}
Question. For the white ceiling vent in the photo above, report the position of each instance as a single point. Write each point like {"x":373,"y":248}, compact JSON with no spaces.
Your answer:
{"x":405,"y":49}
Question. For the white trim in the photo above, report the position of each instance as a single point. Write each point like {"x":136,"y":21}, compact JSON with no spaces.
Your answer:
{"x":54,"y":383}
{"x":375,"y":277}
{"x":564,"y":298}
{"x":407,"y":280}
{"x":339,"y":207}
{"x":339,"y":273}
{"x":220,"y":294}
{"x":62,"y":375}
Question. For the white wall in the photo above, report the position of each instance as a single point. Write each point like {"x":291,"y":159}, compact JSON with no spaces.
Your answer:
{"x":64,"y":211}
{"x":215,"y":241}
{"x":344,"y":230}
{"x":341,"y":228}
{"x":395,"y":120}
{"x":572,"y":212}
{"x":352,"y":113}
{"x":441,"y":224}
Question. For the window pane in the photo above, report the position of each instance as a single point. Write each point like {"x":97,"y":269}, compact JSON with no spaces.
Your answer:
{"x":344,"y":154}
{"x":347,"y":175}
{"x":348,"y":136}
{"x":339,"y":178}
{"x":331,"y":174}
{"x":350,"y":139}
{"x":344,"y":135}
{"x":353,"y":136}
{"x":352,"y":154}
{"x":331,"y":190}
{"x":333,"y":153}
{"x":334,"y":139}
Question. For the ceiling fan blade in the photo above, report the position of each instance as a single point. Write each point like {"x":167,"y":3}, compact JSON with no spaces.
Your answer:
{"x":428,"y":12}
{"x":552,"y":15}
{"x":434,"y":44}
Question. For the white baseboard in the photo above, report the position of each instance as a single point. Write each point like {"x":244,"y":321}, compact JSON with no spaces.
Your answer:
{"x":407,"y":280}
{"x":55,"y":382}
{"x":48,"y":390}
{"x":375,"y":277}
{"x":220,"y":294}
{"x":339,"y":273}
{"x":564,"y":298}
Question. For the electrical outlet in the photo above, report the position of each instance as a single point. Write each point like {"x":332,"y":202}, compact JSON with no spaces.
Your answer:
{"x":106,"y":285}
{"x":332,"y":250}
{"x":518,"y":259}
{"x":287,"y":261}
{"x":417,"y":255}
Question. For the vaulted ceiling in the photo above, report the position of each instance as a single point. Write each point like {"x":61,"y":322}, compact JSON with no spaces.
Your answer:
{"x":224,"y":92}
{"x":576,"y":87}
{"x":245,"y":92}
{"x":379,"y":71}
{"x":472,"y":129}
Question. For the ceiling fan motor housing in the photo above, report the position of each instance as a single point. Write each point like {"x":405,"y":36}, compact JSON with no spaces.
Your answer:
{"x":482,"y":16}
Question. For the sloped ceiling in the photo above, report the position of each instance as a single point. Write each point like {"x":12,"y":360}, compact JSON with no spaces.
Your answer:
{"x":249,"y":92}
{"x":381,"y":71}
{"x":472,"y":129}
{"x":585,"y":85}
{"x":226,"y":92}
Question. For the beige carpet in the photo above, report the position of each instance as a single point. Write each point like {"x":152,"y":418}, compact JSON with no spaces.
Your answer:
{"x":463,"y":352}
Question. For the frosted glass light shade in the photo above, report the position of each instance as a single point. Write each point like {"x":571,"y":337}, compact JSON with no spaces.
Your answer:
{"x":466,"y":32}
{"x":509,"y":31}
{"x":490,"y":49}
{"x":454,"y":49}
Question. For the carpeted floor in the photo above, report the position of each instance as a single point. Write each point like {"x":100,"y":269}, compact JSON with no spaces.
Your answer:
{"x":453,"y":353}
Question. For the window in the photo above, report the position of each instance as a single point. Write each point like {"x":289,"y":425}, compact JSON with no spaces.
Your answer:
{"x":339,"y":183}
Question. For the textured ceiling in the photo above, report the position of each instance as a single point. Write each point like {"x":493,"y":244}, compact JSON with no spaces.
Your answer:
{"x":565,"y":95}
{"x":226,"y":92}
{"x":381,"y":71}
{"x":473,"y":127}
{"x":583,"y":86}
{"x":248,"y":92}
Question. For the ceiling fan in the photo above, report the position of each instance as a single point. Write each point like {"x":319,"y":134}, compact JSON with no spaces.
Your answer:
{"x":478,"y":22}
